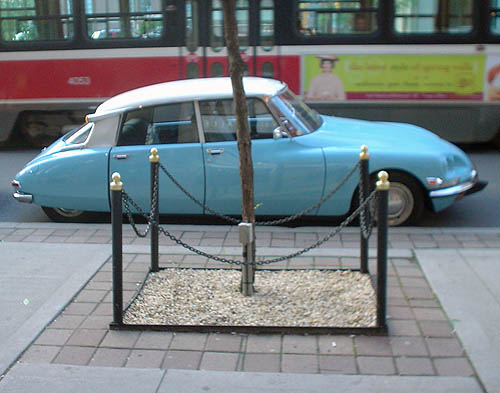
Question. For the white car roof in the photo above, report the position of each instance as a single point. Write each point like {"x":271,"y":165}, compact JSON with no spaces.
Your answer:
{"x":188,"y":90}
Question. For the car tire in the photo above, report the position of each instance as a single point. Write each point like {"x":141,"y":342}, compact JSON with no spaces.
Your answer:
{"x":67,"y":215}
{"x":406,"y":201}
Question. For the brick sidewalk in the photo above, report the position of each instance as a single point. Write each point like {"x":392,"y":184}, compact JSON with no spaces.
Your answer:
{"x":227,"y":236}
{"x":421,"y":339}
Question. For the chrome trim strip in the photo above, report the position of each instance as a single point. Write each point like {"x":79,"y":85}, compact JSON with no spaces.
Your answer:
{"x":458,"y":189}
{"x":24,"y":198}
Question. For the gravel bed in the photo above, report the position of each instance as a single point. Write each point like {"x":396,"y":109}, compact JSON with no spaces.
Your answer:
{"x":326,"y":298}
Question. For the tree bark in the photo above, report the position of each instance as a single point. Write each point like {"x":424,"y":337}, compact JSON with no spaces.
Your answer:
{"x":236,"y":68}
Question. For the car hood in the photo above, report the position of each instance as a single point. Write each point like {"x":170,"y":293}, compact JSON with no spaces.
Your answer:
{"x":380,"y":136}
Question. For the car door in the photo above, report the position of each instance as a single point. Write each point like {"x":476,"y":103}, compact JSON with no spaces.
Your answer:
{"x":288,"y":176}
{"x":173,"y":131}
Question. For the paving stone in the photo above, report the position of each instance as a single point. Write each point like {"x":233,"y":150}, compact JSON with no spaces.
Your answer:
{"x":436,"y":328}
{"x":40,"y":354}
{"x":418,"y":293}
{"x":396,"y":312}
{"x":224,"y":343}
{"x":337,"y":364}
{"x":373,"y":346}
{"x":459,"y":367}
{"x":86,"y":337}
{"x":414,"y":366}
{"x":54,"y":336}
{"x":429,"y":314}
{"x":262,"y":362}
{"x":291,"y":363}
{"x":96,"y":322}
{"x":109,"y":357}
{"x":336,"y":345}
{"x":145,"y":358}
{"x":219,"y":361}
{"x":79,"y":309}
{"x":189,"y":341}
{"x":154,"y":340}
{"x":444,"y":347}
{"x":376,"y":365}
{"x":263,"y":343}
{"x":408,"y":346}
{"x":401,"y":327}
{"x":300,"y":344}
{"x":120,"y":339}
{"x":90,"y":296}
{"x":187,"y":360}
{"x":64,"y":321}
{"x":74,"y":355}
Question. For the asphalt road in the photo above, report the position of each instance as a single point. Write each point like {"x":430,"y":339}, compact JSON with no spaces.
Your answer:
{"x":478,"y":210}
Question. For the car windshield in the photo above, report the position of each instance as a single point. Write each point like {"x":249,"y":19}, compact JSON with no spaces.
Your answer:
{"x":304,"y":119}
{"x":78,"y":135}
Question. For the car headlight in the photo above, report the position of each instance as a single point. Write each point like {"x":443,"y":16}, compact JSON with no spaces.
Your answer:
{"x":437,"y":182}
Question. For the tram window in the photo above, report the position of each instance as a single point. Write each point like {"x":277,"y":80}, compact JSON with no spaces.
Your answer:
{"x":110,"y":19}
{"x":433,"y":16}
{"x":217,"y":24}
{"x":267,"y":24}
{"x":192,"y":32}
{"x":267,"y":70}
{"x":322,"y":17}
{"x":36,"y":20}
{"x":192,"y":70}
{"x":495,"y":16}
{"x":216,"y":69}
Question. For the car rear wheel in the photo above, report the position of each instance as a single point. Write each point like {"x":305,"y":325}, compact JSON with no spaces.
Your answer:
{"x":66,"y":215}
{"x":406,"y":202}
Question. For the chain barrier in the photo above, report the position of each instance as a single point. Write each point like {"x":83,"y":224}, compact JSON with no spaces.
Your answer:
{"x":127,"y":201}
{"x":362,"y":211}
{"x":179,"y":242}
{"x":365,"y":217}
{"x":262,"y":223}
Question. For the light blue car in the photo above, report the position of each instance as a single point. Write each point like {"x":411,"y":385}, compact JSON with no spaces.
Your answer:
{"x":298,"y":156}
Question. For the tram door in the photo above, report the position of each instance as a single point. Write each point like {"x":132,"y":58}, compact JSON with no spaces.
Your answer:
{"x":205,"y":54}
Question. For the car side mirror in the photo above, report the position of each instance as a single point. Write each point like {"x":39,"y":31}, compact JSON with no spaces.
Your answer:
{"x":278,"y":133}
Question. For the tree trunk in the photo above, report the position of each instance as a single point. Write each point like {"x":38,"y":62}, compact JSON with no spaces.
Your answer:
{"x":236,"y":67}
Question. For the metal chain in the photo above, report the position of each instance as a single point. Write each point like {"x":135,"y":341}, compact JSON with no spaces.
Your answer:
{"x":149,"y":218}
{"x":365,"y":217}
{"x":263,"y":223}
{"x":333,"y":233}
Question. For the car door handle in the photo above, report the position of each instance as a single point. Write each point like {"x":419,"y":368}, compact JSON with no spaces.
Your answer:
{"x":120,"y":156}
{"x":215,"y":152}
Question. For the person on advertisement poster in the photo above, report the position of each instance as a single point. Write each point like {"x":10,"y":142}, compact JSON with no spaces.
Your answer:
{"x":326,"y":86}
{"x":494,"y":83}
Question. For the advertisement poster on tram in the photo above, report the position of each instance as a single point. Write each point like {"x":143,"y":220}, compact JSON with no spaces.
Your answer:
{"x":492,"y":83}
{"x":396,"y":77}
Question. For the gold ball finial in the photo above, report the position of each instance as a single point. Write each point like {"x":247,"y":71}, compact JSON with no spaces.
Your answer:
{"x":154,"y":157}
{"x":383,"y":181}
{"x":116,"y":184}
{"x":364,"y":155}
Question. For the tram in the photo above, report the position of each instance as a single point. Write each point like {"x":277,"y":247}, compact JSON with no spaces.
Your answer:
{"x":435,"y":63}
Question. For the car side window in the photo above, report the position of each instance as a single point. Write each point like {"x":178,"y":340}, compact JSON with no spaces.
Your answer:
{"x":135,"y":128}
{"x":262,"y":123}
{"x":219,"y":120}
{"x":173,"y":123}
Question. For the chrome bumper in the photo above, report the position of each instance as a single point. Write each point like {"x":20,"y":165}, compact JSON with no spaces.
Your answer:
{"x":466,"y":188}
{"x":25,"y":198}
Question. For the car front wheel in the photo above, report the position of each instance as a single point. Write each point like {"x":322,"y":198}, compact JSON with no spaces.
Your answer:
{"x":406,"y":202}
{"x":66,"y":215}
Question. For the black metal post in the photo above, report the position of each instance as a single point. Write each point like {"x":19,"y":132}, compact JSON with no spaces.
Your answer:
{"x":382,"y":210}
{"x":364,"y":188}
{"x":116,"y":187}
{"x":154,"y":159}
